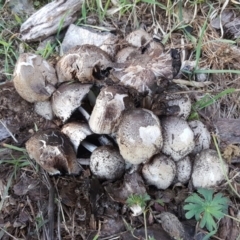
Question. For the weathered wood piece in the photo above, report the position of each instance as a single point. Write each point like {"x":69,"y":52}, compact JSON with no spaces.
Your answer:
{"x":228,"y":130}
{"x":49,"y":18}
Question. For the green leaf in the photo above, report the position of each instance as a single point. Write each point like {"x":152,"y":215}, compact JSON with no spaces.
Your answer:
{"x":207,"y":194}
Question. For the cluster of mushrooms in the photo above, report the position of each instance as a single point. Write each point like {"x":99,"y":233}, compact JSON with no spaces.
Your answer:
{"x":133,"y":119}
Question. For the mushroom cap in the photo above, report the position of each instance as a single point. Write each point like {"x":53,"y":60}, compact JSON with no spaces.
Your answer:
{"x":172,"y":225}
{"x":208,"y":169}
{"x":178,"y":138}
{"x":34,"y":78}
{"x":44,"y":109}
{"x":80,"y":62}
{"x":67,"y":98}
{"x":111,"y":46}
{"x":138,"y":38}
{"x":53,"y":151}
{"x":139,"y":135}
{"x":201,"y":134}
{"x":184,"y":170}
{"x":181,"y":100}
{"x":159,"y":171}
{"x":107,"y":163}
{"x":124,"y":54}
{"x":108,"y":109}
{"x":76,"y":132}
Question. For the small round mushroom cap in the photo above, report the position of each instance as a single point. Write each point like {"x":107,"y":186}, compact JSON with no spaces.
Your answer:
{"x":111,"y":46}
{"x":138,"y":38}
{"x":80,"y":62}
{"x":108,"y":110}
{"x":53,"y":151}
{"x":76,"y":132}
{"x":44,"y":109}
{"x":67,"y":98}
{"x":178,"y":138}
{"x":159,"y":171}
{"x":139,"y":135}
{"x":34,"y":78}
{"x":184,"y":170}
{"x":181,"y":100}
{"x":201,"y":134}
{"x":208,"y":169}
{"x":124,"y":54}
{"x":107,"y":163}
{"x":172,"y":225}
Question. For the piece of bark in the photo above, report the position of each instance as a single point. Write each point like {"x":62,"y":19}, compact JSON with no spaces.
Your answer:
{"x":228,"y":131}
{"x":49,"y":19}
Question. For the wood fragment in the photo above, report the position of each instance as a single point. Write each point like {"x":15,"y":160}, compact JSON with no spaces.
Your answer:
{"x":192,"y":83}
{"x":49,"y":19}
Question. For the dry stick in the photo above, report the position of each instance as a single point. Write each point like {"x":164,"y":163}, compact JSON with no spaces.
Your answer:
{"x":51,"y":197}
{"x":8,"y":131}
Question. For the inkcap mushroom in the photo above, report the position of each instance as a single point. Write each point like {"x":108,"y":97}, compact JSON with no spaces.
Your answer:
{"x":34,"y":78}
{"x":109,"y":107}
{"x":201,"y":134}
{"x":53,"y":151}
{"x":178,"y":138}
{"x":85,"y":63}
{"x":139,"y":135}
{"x":67,"y":98}
{"x":208,"y":169}
{"x":159,"y":171}
{"x":184,"y":170}
{"x":44,"y":109}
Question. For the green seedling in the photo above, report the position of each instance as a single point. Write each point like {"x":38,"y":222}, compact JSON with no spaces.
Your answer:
{"x":138,"y":204}
{"x":207,"y":208}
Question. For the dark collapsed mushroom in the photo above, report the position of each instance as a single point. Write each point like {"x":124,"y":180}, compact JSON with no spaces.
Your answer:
{"x":53,"y":151}
{"x":83,"y":63}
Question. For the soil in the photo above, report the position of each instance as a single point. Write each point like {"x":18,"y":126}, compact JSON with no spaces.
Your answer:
{"x":35,"y":205}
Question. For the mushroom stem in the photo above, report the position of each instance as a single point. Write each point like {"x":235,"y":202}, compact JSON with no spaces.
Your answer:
{"x":83,"y":161}
{"x":103,"y":140}
{"x":85,"y":114}
{"x":89,"y":146}
{"x":92,"y":98}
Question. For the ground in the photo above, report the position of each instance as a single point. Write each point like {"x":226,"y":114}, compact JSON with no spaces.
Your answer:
{"x":35,"y":205}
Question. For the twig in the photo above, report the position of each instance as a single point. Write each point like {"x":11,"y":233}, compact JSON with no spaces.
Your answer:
{"x":192,"y":83}
{"x":8,"y":131}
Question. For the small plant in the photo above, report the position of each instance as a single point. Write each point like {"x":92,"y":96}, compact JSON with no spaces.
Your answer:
{"x":138,"y":205}
{"x":206,"y":208}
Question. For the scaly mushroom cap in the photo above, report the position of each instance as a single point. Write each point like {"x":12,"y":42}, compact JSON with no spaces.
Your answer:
{"x":111,"y":46}
{"x":178,"y":138}
{"x":34,"y":78}
{"x":67,"y":98}
{"x":44,"y":109}
{"x":108,"y":110}
{"x":143,"y":71}
{"x":138,"y":38}
{"x":139,"y":135}
{"x":124,"y":54}
{"x":184,"y":170}
{"x":208,"y":169}
{"x":107,"y":163}
{"x":201,"y":134}
{"x":53,"y":151}
{"x":76,"y":132}
{"x":159,"y":171}
{"x":85,"y":63}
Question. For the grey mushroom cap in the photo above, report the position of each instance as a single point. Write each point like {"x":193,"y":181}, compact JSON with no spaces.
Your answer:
{"x":139,"y":135}
{"x":76,"y":132}
{"x":107,"y":112}
{"x":184,"y":170}
{"x":144,"y":72}
{"x":44,"y":109}
{"x":178,"y":138}
{"x":201,"y":134}
{"x":208,"y":169}
{"x":80,"y":63}
{"x":159,"y":171}
{"x":67,"y":98}
{"x":124,"y":54}
{"x":34,"y":78}
{"x":111,"y":46}
{"x":107,"y":163}
{"x":138,"y":38}
{"x":53,"y":151}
